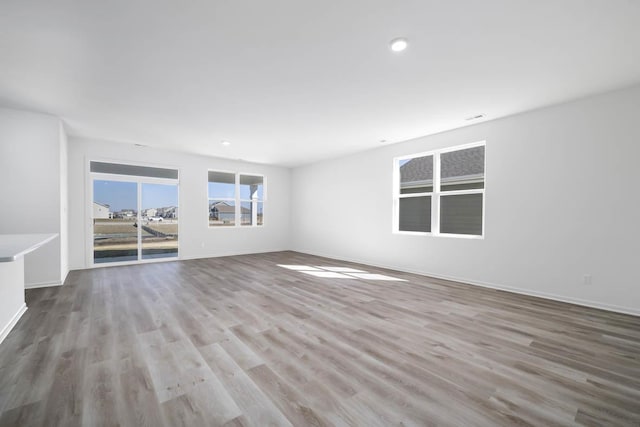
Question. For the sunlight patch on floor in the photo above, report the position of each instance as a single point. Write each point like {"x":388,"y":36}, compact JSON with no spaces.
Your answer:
{"x":328,"y":274}
{"x":340,"y":269}
{"x":337,"y":272}
{"x":373,"y":276}
{"x":298,"y":267}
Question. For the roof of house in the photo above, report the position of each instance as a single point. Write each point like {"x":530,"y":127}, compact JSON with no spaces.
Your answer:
{"x":102,"y":204}
{"x":223,"y":207}
{"x":453,"y":164}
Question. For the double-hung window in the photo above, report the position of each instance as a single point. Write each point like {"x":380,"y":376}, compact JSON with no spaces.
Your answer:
{"x":235,"y":199}
{"x":222,"y":199}
{"x":251,"y":199}
{"x":441,"y":192}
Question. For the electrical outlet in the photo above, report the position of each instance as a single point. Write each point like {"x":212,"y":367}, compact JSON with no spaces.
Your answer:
{"x":586,"y":279}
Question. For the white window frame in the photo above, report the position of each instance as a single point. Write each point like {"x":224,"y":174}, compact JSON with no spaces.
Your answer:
{"x":237,"y":200}
{"x":436,"y":193}
{"x":90,"y":177}
{"x":223,"y":199}
{"x":264,"y":196}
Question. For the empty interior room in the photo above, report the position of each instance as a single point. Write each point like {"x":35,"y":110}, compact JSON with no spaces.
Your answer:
{"x":285,"y":213}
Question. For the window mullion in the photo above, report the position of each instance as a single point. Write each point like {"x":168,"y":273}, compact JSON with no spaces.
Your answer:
{"x":435,"y":199}
{"x":461,"y":192}
{"x":395,"y":214}
{"x":410,"y":195}
{"x":238,"y":203}
{"x":454,"y":211}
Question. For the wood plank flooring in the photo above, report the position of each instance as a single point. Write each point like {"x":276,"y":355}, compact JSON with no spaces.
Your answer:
{"x":240,"y":341}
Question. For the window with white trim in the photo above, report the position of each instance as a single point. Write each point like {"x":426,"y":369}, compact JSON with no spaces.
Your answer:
{"x":235,"y":199}
{"x":441,"y":192}
{"x":222,"y":199}
{"x":251,"y":199}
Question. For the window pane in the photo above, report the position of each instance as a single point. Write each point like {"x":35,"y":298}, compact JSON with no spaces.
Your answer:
{"x":222,"y":213}
{"x":133,"y":170}
{"x":415,"y":214}
{"x":461,"y":214}
{"x":222,"y":185}
{"x":226,"y":177}
{"x":251,"y":187}
{"x":159,"y":226}
{"x":462,"y":169}
{"x":416,"y":175}
{"x":115,"y":225}
{"x":251,"y":213}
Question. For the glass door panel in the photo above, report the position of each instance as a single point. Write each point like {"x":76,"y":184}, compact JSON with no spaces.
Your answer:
{"x":159,"y":220}
{"x":115,"y":228}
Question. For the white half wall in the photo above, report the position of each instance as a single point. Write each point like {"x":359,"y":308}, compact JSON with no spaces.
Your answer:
{"x":32,"y":175}
{"x":196,"y":239}
{"x":562,"y":202}
{"x":12,"y":305}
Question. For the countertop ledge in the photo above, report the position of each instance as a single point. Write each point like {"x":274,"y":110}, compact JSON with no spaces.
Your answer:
{"x":14,"y":246}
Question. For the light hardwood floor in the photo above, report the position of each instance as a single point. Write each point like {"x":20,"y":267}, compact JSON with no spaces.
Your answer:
{"x":240,"y":341}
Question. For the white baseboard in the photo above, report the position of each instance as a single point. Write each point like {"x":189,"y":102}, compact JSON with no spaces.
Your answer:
{"x":554,"y":297}
{"x":64,"y":276}
{"x":41,"y":285}
{"x":9,"y":326}
{"x":46,"y":284}
{"x":156,"y":260}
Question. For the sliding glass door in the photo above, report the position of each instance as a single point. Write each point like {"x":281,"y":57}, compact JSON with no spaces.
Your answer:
{"x":134,"y":218}
{"x":115,"y":214}
{"x":159,"y":228}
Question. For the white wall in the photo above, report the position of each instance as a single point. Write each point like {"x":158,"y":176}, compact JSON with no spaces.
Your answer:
{"x":31,"y":179}
{"x":64,"y":204}
{"x":562,"y":201}
{"x":12,"y":305}
{"x":196,"y":239}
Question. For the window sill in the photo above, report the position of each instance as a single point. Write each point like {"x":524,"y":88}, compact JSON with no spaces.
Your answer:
{"x":446,"y":235}
{"x":233,"y":227}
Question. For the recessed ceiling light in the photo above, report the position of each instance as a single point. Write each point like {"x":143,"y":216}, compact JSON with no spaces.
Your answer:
{"x":382,"y":141}
{"x":225,"y":143}
{"x":476,"y":117}
{"x":399,"y":44}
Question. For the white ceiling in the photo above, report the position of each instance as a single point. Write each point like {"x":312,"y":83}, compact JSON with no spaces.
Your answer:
{"x":290,"y":82}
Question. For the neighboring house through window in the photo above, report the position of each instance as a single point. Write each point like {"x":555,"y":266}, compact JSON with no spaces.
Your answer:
{"x":230,"y":190}
{"x":441,"y":192}
{"x":222,"y":198}
{"x":251,"y":199}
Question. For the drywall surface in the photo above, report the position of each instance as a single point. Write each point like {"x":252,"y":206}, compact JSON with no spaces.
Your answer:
{"x":11,"y":295}
{"x":196,"y":238}
{"x":30,"y":173}
{"x":64,"y":205}
{"x":562,"y":202}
